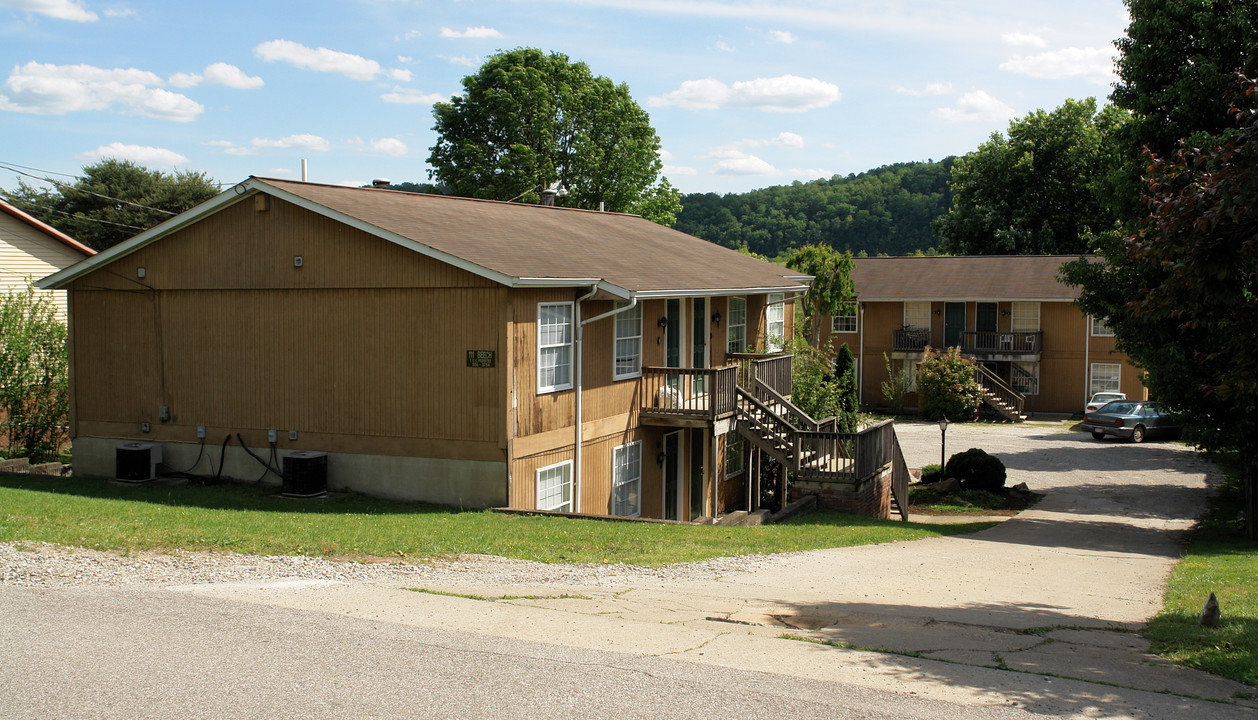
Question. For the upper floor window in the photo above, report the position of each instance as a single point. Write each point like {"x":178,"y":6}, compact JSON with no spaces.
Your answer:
{"x":1099,"y":328}
{"x":628,"y":344}
{"x":775,"y":322}
{"x":736,"y":326}
{"x":554,"y":346}
{"x":845,"y":321}
{"x":917,"y":314}
{"x":1024,"y":317}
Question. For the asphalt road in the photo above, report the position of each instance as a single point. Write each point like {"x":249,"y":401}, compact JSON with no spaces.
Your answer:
{"x":1032,"y":618}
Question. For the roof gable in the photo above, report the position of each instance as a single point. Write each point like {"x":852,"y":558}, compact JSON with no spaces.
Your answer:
{"x":48,"y":230}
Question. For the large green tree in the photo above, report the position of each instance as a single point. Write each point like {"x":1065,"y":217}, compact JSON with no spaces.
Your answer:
{"x":831,"y":288}
{"x":113,"y":200}
{"x":527,"y":119}
{"x":1181,"y":294}
{"x":1176,"y":70}
{"x":1038,"y":190}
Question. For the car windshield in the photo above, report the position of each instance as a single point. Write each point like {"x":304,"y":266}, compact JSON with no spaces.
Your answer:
{"x":1107,"y":397}
{"x":1118,"y":407}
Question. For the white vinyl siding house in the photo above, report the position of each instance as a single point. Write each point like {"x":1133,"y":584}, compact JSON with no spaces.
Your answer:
{"x":29,"y":251}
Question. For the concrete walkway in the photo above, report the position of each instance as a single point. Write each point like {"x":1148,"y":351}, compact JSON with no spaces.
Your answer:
{"x":1037,"y":612}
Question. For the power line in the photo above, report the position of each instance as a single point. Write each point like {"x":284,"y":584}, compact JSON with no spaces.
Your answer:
{"x":64,"y":186}
{"x":72,"y":216}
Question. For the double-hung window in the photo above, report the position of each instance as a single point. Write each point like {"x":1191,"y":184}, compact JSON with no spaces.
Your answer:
{"x":628,"y":344}
{"x":1099,"y":328}
{"x":1025,"y":317}
{"x":775,"y":322}
{"x":736,"y":326}
{"x":627,"y":480}
{"x":554,"y":346}
{"x":917,"y":314}
{"x":554,"y":487}
{"x":844,"y":321}
{"x":1104,"y":377}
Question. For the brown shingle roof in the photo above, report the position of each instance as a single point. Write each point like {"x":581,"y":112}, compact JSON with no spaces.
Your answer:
{"x":531,"y":241}
{"x":988,"y":277}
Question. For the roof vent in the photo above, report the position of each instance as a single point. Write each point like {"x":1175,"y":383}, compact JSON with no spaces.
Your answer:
{"x":556,"y":189}
{"x":381,"y":183}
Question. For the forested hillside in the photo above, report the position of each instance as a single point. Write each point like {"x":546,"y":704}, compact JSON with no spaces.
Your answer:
{"x":887,"y":210}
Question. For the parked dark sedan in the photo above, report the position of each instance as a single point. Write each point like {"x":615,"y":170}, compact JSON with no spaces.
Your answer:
{"x":1131,"y":420}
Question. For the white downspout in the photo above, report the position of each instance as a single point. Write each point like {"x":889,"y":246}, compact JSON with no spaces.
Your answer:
{"x":860,"y":359}
{"x":1087,"y":369}
{"x":580,"y":325}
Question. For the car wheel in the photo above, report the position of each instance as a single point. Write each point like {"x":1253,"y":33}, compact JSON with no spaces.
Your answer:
{"x":1098,"y":435}
{"x":1137,"y":434}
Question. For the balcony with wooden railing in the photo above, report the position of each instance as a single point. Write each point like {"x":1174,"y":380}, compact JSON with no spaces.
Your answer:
{"x":912,"y":340}
{"x":772,"y":369}
{"x":992,"y":344}
{"x":687,"y":397}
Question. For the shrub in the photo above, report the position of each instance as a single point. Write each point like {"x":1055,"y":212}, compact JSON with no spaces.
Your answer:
{"x":977,"y":470}
{"x":33,"y":371}
{"x":896,"y":386}
{"x":932,"y":473}
{"x":823,"y":390}
{"x":947,"y":384}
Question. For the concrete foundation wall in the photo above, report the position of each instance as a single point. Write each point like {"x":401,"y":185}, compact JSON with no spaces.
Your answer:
{"x":460,"y":483}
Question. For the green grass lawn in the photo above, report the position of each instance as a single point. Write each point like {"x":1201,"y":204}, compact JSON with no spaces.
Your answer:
{"x":247,"y":519}
{"x":1220,"y":560}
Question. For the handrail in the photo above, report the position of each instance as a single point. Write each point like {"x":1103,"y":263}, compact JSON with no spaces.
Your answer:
{"x":992,"y":383}
{"x":1006,"y":343}
{"x":910,"y":339}
{"x":766,"y":394}
{"x":702,"y":392}
{"x":1021,"y":380}
{"x":770,"y":426}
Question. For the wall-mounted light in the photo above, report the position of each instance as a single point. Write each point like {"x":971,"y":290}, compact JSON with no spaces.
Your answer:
{"x":663,"y":322}
{"x":938,"y":311}
{"x":716,"y":319}
{"x":659,"y":459}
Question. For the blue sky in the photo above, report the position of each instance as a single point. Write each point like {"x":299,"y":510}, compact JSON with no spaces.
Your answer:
{"x":743,"y":94}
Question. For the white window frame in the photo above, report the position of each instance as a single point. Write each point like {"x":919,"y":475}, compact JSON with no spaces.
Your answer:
{"x":775,"y":315}
{"x":1112,"y":381}
{"x":1021,"y":317}
{"x":917,"y":315}
{"x":566,"y":351}
{"x":1099,"y":328}
{"x":627,"y":479}
{"x":844,"y":323}
{"x":563,"y":472}
{"x":1033,"y":369}
{"x":628,"y":336}
{"x":736,"y":342}
{"x":735,"y":449}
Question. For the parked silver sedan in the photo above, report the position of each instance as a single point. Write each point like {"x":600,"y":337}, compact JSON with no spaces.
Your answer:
{"x":1130,"y":420}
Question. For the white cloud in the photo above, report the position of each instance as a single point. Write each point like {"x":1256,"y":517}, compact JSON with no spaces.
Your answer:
{"x":478,"y":32}
{"x":223,"y":74}
{"x":781,"y":36}
{"x":976,"y":106}
{"x":935,"y":88}
{"x":59,"y":9}
{"x":1023,"y":39}
{"x":811,"y":173}
{"x":785,"y":93}
{"x":42,"y":89}
{"x":666,"y":156}
{"x":318,"y":59}
{"x":411,"y":35}
{"x":406,"y":59}
{"x":407,"y":96}
{"x":735,"y":162}
{"x":116,"y":13}
{"x":279,"y":171}
{"x":183,"y":80}
{"x":400,"y":75}
{"x":462,"y":60}
{"x":142,"y":154}
{"x":313,"y":143}
{"x":1094,"y":64}
{"x":783,"y":139}
{"x":724,"y":46}
{"x":389,"y":146}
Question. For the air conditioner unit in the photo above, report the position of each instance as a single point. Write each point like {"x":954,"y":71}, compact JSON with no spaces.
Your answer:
{"x":137,"y":461}
{"x":305,"y":474}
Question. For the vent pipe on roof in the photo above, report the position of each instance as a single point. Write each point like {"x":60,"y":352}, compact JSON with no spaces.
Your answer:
{"x":381,"y":183}
{"x":303,"y":169}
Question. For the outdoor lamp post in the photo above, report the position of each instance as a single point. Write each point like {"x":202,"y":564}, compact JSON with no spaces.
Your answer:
{"x":943,"y":441}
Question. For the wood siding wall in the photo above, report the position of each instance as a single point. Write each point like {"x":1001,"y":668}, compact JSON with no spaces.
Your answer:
{"x":361,"y":349}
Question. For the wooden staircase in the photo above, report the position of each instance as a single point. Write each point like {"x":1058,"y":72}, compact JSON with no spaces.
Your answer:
{"x":999,"y":397}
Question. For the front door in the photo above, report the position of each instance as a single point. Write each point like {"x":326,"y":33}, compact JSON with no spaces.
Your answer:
{"x":699,"y":341}
{"x":985,"y":326}
{"x":697,"y":496}
{"x":672,"y":342}
{"x":954,"y":323}
{"x":672,"y":475}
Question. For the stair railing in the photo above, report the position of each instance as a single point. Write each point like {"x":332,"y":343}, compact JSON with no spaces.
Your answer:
{"x":1011,"y":399}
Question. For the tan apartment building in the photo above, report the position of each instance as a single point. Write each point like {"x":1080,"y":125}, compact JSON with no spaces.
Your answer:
{"x":1009,"y":313}
{"x":455,"y":351}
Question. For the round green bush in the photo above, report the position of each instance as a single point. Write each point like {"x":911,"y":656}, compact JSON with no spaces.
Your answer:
{"x":932,"y":473}
{"x":976,"y":470}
